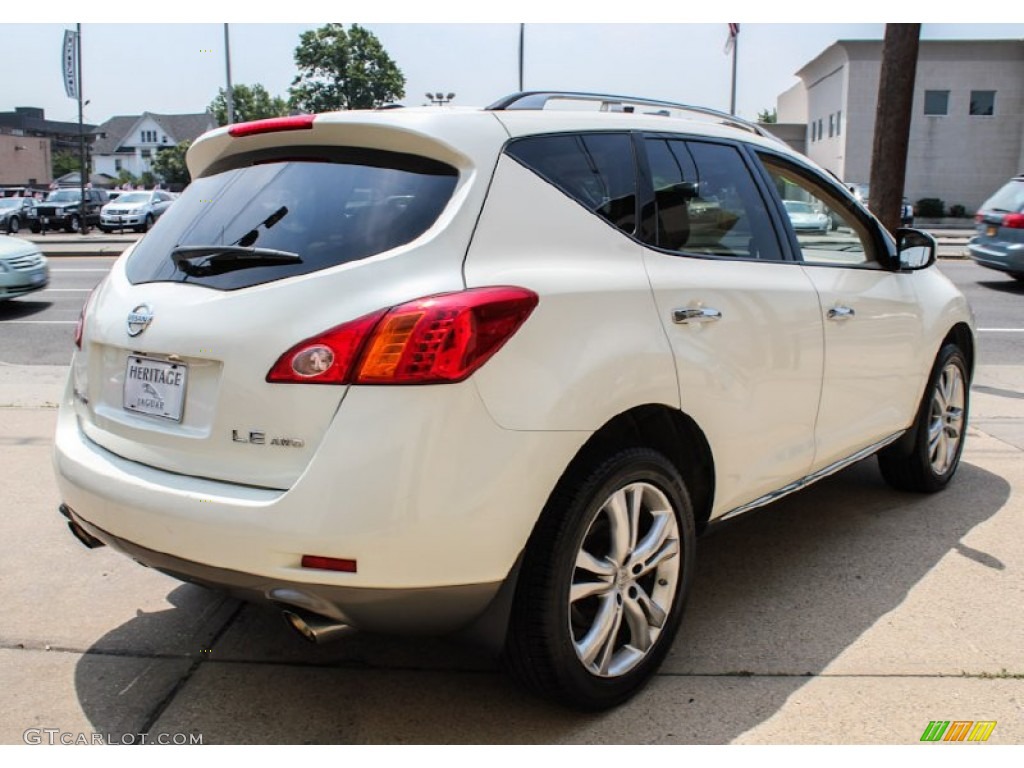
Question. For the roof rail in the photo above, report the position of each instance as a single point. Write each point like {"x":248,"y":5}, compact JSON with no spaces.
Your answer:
{"x":610,"y":103}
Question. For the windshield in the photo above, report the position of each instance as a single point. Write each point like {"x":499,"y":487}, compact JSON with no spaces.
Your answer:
{"x":133,"y":197}
{"x":1010,"y":198}
{"x":346,"y":204}
{"x":64,"y":196}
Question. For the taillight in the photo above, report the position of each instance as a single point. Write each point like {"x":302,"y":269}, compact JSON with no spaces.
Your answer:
{"x":80,"y":325}
{"x":979,"y":217}
{"x":272,"y":125}
{"x":433,"y":340}
{"x":1014,"y":220}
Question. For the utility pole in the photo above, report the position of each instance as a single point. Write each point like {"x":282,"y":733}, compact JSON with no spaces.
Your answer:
{"x":83,"y":226}
{"x":229,"y":97}
{"x":522,"y":35}
{"x":892,"y":121}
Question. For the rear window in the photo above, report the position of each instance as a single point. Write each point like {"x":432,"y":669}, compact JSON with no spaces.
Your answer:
{"x":1009,"y":199}
{"x":335,"y":207}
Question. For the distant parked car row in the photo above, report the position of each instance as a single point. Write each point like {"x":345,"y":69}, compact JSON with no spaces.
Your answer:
{"x":62,"y":209}
{"x":999,"y":242}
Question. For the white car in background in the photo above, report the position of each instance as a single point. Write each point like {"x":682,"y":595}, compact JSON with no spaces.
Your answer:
{"x":489,"y":371}
{"x":137,"y":210}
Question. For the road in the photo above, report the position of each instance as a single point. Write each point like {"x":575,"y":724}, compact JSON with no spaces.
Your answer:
{"x":37,"y":329}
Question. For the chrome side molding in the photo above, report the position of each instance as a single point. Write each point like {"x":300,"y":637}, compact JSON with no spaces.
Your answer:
{"x":814,"y":477}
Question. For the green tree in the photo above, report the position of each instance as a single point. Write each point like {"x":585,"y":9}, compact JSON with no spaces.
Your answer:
{"x":65,"y":162}
{"x":124,"y":176}
{"x":251,"y":102}
{"x":169,"y":164}
{"x":343,"y":70}
{"x":764,"y":116}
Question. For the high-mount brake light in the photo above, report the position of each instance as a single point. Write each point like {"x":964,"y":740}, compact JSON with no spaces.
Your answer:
{"x":433,"y":340}
{"x":272,"y":125}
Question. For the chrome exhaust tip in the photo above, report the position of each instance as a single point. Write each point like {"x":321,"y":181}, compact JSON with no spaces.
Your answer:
{"x":316,"y":629}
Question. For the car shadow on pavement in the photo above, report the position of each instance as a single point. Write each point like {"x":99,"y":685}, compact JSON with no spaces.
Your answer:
{"x":16,"y":309}
{"x":779,"y":594}
{"x":1006,"y":286}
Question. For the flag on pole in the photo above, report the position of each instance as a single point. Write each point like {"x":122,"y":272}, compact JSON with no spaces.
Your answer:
{"x":68,"y":63}
{"x":730,"y":42}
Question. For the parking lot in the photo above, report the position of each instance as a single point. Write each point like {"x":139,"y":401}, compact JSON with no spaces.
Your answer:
{"x":847,"y":613}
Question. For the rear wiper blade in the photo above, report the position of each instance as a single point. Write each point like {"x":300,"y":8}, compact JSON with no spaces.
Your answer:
{"x":227,"y":258}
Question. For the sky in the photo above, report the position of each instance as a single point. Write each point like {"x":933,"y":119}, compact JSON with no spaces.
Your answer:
{"x":156,"y":65}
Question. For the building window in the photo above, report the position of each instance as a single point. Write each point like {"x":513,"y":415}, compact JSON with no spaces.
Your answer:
{"x":118,"y":165}
{"x":936,"y":102}
{"x":831,"y":126}
{"x":821,"y":128}
{"x":983,"y":102}
{"x":839,"y":122}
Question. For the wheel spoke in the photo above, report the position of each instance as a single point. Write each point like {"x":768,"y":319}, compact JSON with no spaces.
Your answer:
{"x":668,"y":550}
{"x":636,"y":500}
{"x":587,"y":562}
{"x":618,"y":516}
{"x":639,"y":629}
{"x":594,"y":640}
{"x":655,"y":537}
{"x":585,"y":589}
{"x":656,"y":615}
{"x":608,"y":651}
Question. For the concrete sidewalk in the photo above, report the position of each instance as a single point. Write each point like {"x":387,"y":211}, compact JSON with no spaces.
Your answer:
{"x":848,"y":613}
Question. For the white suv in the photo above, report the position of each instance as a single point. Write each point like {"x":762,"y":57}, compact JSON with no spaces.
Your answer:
{"x":489,"y":370}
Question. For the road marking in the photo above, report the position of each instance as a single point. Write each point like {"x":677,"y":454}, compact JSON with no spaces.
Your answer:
{"x":38,"y":322}
{"x":79,"y":270}
{"x":1001,"y":330}
{"x":66,"y":290}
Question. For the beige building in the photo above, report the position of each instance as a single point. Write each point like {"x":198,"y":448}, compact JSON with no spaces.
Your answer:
{"x":967,"y":129}
{"x":24,"y":160}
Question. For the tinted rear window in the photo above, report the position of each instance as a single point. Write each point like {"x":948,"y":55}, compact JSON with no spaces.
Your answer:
{"x":1010,"y":198}
{"x":596,"y":170}
{"x":329,"y":210}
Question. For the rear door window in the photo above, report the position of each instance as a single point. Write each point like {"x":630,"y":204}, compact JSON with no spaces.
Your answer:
{"x":597,"y":170}
{"x":329,"y":208}
{"x":705,"y":202}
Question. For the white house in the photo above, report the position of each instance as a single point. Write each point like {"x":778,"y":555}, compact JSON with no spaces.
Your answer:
{"x":967,"y":126}
{"x":130,"y":142}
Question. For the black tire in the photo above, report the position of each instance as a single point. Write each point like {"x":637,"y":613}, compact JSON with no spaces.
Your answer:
{"x":144,"y":227}
{"x":36,"y":229}
{"x":74,"y":224}
{"x":926,"y":458}
{"x":13,"y":225}
{"x":541,"y":648}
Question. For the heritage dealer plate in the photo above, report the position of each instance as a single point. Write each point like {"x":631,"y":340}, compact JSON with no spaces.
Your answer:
{"x":155,"y":387}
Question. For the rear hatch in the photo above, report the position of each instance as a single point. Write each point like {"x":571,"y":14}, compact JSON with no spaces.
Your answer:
{"x":277,"y":240}
{"x":1000,"y":221}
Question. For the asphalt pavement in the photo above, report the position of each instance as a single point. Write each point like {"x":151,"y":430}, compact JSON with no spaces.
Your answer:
{"x":848,"y":613}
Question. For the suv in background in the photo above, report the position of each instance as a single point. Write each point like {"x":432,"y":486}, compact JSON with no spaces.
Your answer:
{"x":62,"y":209}
{"x":489,"y":371}
{"x":999,"y":243}
{"x":861,"y":192}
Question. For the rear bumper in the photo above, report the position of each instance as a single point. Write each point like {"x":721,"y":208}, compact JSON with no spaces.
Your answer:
{"x":1006,"y":258}
{"x":440,"y":610}
{"x":433,"y":500}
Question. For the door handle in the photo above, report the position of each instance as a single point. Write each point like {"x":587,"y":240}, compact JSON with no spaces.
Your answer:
{"x":695,"y":315}
{"x":841,"y":313}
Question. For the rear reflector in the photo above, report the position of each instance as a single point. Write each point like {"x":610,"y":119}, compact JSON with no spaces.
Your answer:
{"x":434,"y":340}
{"x":328,"y":563}
{"x":1014,"y":220}
{"x":272,"y":125}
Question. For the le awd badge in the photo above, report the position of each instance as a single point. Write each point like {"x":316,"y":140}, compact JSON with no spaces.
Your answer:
{"x":255,"y":437}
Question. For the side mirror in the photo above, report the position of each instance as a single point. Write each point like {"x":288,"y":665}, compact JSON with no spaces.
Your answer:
{"x":915,"y":249}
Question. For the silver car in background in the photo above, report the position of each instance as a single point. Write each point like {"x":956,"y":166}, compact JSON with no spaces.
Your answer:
{"x":999,"y":243}
{"x":135,"y":210}
{"x":23,"y":268}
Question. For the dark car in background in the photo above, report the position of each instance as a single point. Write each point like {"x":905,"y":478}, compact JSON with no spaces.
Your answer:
{"x":17,"y":213}
{"x":62,"y":209}
{"x":999,"y":242}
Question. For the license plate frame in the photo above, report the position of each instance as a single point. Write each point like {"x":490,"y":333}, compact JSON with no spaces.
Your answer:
{"x":155,"y":387}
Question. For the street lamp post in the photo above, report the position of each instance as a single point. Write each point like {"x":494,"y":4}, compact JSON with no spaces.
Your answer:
{"x":439,"y":99}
